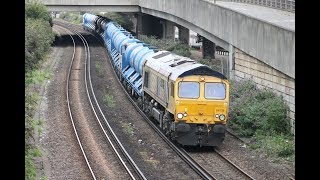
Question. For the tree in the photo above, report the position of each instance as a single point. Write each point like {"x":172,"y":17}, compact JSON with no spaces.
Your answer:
{"x":36,"y":10}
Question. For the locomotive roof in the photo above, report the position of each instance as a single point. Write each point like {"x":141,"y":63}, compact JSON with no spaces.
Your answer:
{"x":169,"y":64}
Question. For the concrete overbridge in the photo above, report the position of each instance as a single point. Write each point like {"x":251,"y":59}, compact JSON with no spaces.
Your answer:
{"x":259,"y":41}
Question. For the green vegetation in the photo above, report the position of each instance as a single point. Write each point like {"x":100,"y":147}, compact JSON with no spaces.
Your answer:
{"x":276,"y":146}
{"x":37,"y":77}
{"x":30,"y":169}
{"x":128,"y":128}
{"x":99,"y":68}
{"x":261,"y":114}
{"x":214,"y":64}
{"x":149,"y":158}
{"x":122,"y":19}
{"x":72,"y":17}
{"x":38,"y":39}
{"x":37,"y":11}
{"x":167,"y":44}
{"x":109,"y":100}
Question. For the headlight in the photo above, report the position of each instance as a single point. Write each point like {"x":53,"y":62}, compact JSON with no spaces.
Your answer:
{"x":180,"y":115}
{"x":222,"y":117}
{"x":185,"y":114}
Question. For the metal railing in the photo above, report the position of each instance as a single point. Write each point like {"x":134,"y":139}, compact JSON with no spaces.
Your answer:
{"x":286,"y":5}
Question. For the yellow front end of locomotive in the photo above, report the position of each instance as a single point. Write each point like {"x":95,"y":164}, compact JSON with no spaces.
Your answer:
{"x":201,"y":100}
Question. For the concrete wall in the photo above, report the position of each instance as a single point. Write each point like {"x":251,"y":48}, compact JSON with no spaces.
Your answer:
{"x":208,"y":49}
{"x":93,"y":5}
{"x":91,"y":2}
{"x":168,"y":29}
{"x":248,"y":67}
{"x":184,"y":34}
{"x":273,"y":45}
{"x":150,"y":25}
{"x":254,"y":39}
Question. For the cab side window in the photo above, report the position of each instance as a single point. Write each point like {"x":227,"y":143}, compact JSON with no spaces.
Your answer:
{"x":146,"y":79}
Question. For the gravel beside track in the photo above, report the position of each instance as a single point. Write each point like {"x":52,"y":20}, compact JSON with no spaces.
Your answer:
{"x":103,"y":161}
{"x":154,"y":157}
{"x":215,"y":164}
{"x":257,"y":166}
{"x":62,"y":158}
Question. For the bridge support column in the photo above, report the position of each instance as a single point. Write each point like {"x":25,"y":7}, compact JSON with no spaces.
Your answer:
{"x":148,"y":25}
{"x":183,"y":34}
{"x":168,"y":29}
{"x":138,"y":26}
{"x":231,"y":62}
{"x":208,"y":49}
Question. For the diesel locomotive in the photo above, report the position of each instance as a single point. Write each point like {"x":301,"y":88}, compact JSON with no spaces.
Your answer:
{"x":189,"y":101}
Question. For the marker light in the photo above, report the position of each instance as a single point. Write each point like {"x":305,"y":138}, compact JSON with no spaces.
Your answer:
{"x":180,"y":115}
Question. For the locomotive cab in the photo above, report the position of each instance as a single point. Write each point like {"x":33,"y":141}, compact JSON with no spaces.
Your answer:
{"x":200,"y":110}
{"x":201,"y":99}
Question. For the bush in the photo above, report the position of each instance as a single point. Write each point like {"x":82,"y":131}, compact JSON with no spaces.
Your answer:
{"x":36,"y":10}
{"x":211,"y":64}
{"x":74,"y":18}
{"x":122,"y":19}
{"x":276,"y":145}
{"x":167,"y":44}
{"x":252,"y":109}
{"x":180,"y":49}
{"x":158,"y":43}
{"x":38,"y":40}
{"x":261,"y":114}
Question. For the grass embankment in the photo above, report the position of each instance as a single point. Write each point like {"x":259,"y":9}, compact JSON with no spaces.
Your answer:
{"x":38,"y":40}
{"x":262,"y":116}
{"x":72,"y":17}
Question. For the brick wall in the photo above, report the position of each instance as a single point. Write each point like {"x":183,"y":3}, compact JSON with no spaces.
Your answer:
{"x":247,"y":67}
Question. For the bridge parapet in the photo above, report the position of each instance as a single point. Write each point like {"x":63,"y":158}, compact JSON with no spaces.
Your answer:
{"x":285,"y":5}
{"x":272,"y":44}
{"x":269,"y":41}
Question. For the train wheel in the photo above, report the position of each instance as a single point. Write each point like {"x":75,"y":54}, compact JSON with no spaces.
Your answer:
{"x":165,"y":124}
{"x":140,"y":102}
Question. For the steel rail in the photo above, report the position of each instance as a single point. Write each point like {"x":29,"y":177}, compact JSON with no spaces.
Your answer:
{"x":69,"y":108}
{"x":233,"y":164}
{"x":235,"y":136}
{"x":193,"y":164}
{"x":119,"y":144}
{"x":291,"y":176}
{"x":180,"y":152}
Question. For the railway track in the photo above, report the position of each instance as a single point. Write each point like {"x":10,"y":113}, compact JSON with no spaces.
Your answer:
{"x":290,"y":176}
{"x":127,"y":162}
{"x":205,"y":174}
{"x":217,"y":164}
{"x":235,"y":136}
{"x":202,"y":172}
{"x":193,"y":164}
